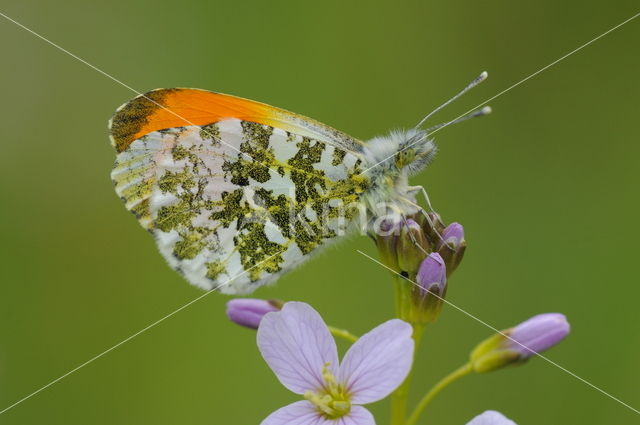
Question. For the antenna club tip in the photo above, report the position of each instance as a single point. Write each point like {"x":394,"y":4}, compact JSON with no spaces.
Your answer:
{"x":486,"y":110}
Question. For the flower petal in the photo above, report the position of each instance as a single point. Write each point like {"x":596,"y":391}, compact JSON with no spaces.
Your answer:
{"x":298,"y":413}
{"x":305,"y":413}
{"x":378,"y":362}
{"x":357,"y":416}
{"x":491,"y":417}
{"x":296,"y":344}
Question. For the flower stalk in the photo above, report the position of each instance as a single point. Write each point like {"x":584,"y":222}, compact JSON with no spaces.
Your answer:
{"x":461,"y":372}
{"x":510,"y":347}
{"x":409,"y":248}
{"x":400,"y":397}
{"x":342,"y":333}
{"x":420,"y":279}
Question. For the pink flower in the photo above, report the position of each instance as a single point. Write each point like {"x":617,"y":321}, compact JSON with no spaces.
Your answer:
{"x":297,"y":345}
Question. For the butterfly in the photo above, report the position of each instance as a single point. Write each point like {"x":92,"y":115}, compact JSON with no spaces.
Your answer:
{"x":237,"y":192}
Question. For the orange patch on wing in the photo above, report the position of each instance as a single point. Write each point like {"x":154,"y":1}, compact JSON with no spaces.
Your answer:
{"x":168,"y":108}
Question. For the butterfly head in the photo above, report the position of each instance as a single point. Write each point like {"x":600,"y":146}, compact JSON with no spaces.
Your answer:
{"x":401,"y":153}
{"x":414,"y":152}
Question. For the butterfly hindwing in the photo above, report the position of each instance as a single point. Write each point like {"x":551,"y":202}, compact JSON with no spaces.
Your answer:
{"x":234,"y":202}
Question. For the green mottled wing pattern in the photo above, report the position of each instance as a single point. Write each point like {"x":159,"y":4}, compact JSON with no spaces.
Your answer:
{"x":234,"y":204}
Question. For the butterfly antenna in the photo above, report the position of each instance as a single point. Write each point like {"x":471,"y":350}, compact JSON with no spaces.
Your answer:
{"x":480,"y":78}
{"x":477,"y":113}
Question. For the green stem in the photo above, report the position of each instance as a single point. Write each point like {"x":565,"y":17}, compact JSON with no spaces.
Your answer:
{"x":399,"y":402}
{"x":464,"y":370}
{"x":342,"y":333}
{"x":400,"y":396}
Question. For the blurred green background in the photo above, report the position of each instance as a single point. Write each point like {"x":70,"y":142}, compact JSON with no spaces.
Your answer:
{"x":547,"y":188}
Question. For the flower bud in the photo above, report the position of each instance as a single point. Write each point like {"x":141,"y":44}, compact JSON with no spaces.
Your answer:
{"x":452,"y":245}
{"x":432,"y":226}
{"x":517,"y":344}
{"x":429,"y":295}
{"x":412,"y":247}
{"x":539,"y":333}
{"x":386,"y":238}
{"x":453,"y":235}
{"x":248,"y":312}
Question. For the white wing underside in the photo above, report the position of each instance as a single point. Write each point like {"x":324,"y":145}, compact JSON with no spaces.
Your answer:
{"x":231,"y":220}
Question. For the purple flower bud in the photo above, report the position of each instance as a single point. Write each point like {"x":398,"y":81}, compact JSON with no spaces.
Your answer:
{"x":538,"y":334}
{"x":452,"y":245}
{"x":432,"y":272}
{"x":453,"y":235}
{"x":248,"y":312}
{"x":432,"y":287}
{"x":517,"y":344}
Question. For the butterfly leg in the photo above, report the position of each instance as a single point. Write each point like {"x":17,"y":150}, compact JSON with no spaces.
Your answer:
{"x":420,"y":189}
{"x":429,"y":218}
{"x":426,"y":197}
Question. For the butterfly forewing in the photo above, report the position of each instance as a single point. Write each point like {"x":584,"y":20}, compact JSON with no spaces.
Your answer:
{"x":233,"y":203}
